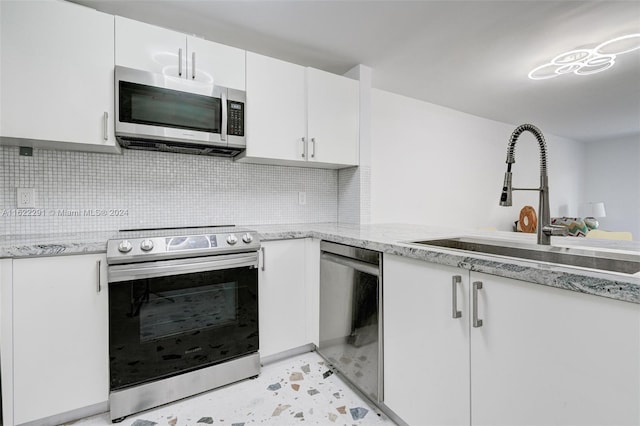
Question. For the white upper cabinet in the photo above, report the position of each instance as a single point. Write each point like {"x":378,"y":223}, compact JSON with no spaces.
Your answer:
{"x":300,"y":116}
{"x":150,"y":48}
{"x":57,"y":81}
{"x":276,"y":109}
{"x":332,"y":118}
{"x":215,"y":62}
{"x":155,"y":49}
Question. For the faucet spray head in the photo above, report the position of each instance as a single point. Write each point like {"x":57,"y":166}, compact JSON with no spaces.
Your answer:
{"x":505,"y":198}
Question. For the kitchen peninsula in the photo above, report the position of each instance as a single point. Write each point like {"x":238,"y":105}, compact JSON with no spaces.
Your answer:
{"x":417,"y":290}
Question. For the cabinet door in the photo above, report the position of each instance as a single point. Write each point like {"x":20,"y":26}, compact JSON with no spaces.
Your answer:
{"x":276,"y":109}
{"x":57,"y":79}
{"x":312,"y":285}
{"x":282,"y":296}
{"x":426,"y":349}
{"x":6,"y":340}
{"x":546,"y":356}
{"x":150,"y":48}
{"x":216,"y":63}
{"x":61,"y":354}
{"x":333,"y":117}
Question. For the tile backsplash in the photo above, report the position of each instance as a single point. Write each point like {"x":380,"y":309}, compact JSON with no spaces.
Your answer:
{"x":84,"y":192}
{"x":354,"y":201}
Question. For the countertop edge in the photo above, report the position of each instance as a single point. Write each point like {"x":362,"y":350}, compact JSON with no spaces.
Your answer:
{"x":623,"y":288}
{"x":611,"y":288}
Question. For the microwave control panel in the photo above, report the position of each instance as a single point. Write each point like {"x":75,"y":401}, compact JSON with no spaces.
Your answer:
{"x":235,"y":118}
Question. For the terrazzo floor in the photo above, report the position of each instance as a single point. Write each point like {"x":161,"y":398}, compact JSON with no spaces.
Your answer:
{"x":300,"y":389}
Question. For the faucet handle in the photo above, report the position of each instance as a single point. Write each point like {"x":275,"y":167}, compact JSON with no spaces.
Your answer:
{"x":555,"y":230}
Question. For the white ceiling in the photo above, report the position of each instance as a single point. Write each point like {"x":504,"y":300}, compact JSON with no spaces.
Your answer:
{"x":472,"y":56}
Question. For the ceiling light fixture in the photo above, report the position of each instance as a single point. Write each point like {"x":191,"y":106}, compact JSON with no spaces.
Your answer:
{"x":587,"y":61}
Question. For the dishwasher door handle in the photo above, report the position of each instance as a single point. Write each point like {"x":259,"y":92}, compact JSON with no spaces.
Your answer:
{"x":367,"y":268}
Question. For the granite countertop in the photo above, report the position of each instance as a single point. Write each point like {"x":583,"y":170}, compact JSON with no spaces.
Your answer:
{"x":394,"y":239}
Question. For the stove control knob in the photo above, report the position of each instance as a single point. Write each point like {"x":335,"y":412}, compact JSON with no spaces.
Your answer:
{"x":146,"y":245}
{"x":247,"y":238}
{"x":124,"y":246}
{"x":232,"y":239}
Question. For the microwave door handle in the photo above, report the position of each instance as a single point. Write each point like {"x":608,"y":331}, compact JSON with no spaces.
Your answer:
{"x":193,"y":66}
{"x":223,"y":131}
{"x":105,"y":126}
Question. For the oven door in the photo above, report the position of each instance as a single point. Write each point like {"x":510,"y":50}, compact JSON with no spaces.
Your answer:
{"x":170,"y":317}
{"x":159,"y":107}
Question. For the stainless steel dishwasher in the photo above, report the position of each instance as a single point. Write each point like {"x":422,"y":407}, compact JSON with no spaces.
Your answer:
{"x":351,"y":315}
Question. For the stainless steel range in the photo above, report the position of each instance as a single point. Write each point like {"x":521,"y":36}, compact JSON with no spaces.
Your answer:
{"x":183,"y":314}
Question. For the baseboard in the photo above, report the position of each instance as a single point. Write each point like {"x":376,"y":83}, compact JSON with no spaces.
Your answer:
{"x":310,"y":347}
{"x":71,"y":416}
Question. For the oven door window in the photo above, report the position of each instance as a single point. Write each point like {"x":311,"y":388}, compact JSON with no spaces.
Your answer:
{"x":156,"y":106}
{"x":168,"y":325}
{"x":174,"y":312}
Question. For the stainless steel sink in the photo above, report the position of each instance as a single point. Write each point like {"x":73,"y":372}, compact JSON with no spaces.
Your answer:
{"x":594,"y":259}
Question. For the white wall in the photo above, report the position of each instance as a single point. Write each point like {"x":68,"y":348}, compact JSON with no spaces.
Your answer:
{"x":434,"y":165}
{"x":612,"y":175}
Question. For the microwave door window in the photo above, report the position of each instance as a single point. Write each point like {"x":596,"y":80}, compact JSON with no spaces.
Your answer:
{"x":141,"y":104}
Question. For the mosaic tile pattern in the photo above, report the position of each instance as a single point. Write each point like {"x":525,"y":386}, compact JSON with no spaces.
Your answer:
{"x":297,"y":390}
{"x":354,"y":199}
{"x":349,"y":195}
{"x":86,"y":192}
{"x":365,"y":194}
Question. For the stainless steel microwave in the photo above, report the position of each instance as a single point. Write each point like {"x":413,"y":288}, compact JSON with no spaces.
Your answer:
{"x":172,"y":114}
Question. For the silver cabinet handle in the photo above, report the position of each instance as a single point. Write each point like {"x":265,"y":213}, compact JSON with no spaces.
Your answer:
{"x":476,"y":286}
{"x":99,"y":266}
{"x":263,"y":258}
{"x":313,"y":153}
{"x":304,"y":146}
{"x":105,"y":126}
{"x":455,"y":280}
{"x":193,"y":65}
{"x":180,"y":62}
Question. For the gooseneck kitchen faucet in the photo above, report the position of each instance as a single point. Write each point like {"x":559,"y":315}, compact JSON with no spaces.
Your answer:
{"x":545,"y":229}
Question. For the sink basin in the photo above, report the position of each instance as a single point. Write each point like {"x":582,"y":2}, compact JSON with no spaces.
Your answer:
{"x":594,"y":259}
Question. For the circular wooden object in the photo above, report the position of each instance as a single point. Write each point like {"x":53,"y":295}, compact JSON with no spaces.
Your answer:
{"x":528,"y":219}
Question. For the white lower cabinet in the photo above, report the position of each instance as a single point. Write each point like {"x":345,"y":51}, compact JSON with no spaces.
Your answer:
{"x":282,"y":296}
{"x":426,"y":350}
{"x":60,"y":335}
{"x":547,"y":356}
{"x":542,"y":355}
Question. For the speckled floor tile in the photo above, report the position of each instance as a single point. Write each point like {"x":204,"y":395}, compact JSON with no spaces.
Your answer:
{"x":296,"y":390}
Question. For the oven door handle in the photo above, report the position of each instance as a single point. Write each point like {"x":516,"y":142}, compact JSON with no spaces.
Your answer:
{"x":139,"y":271}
